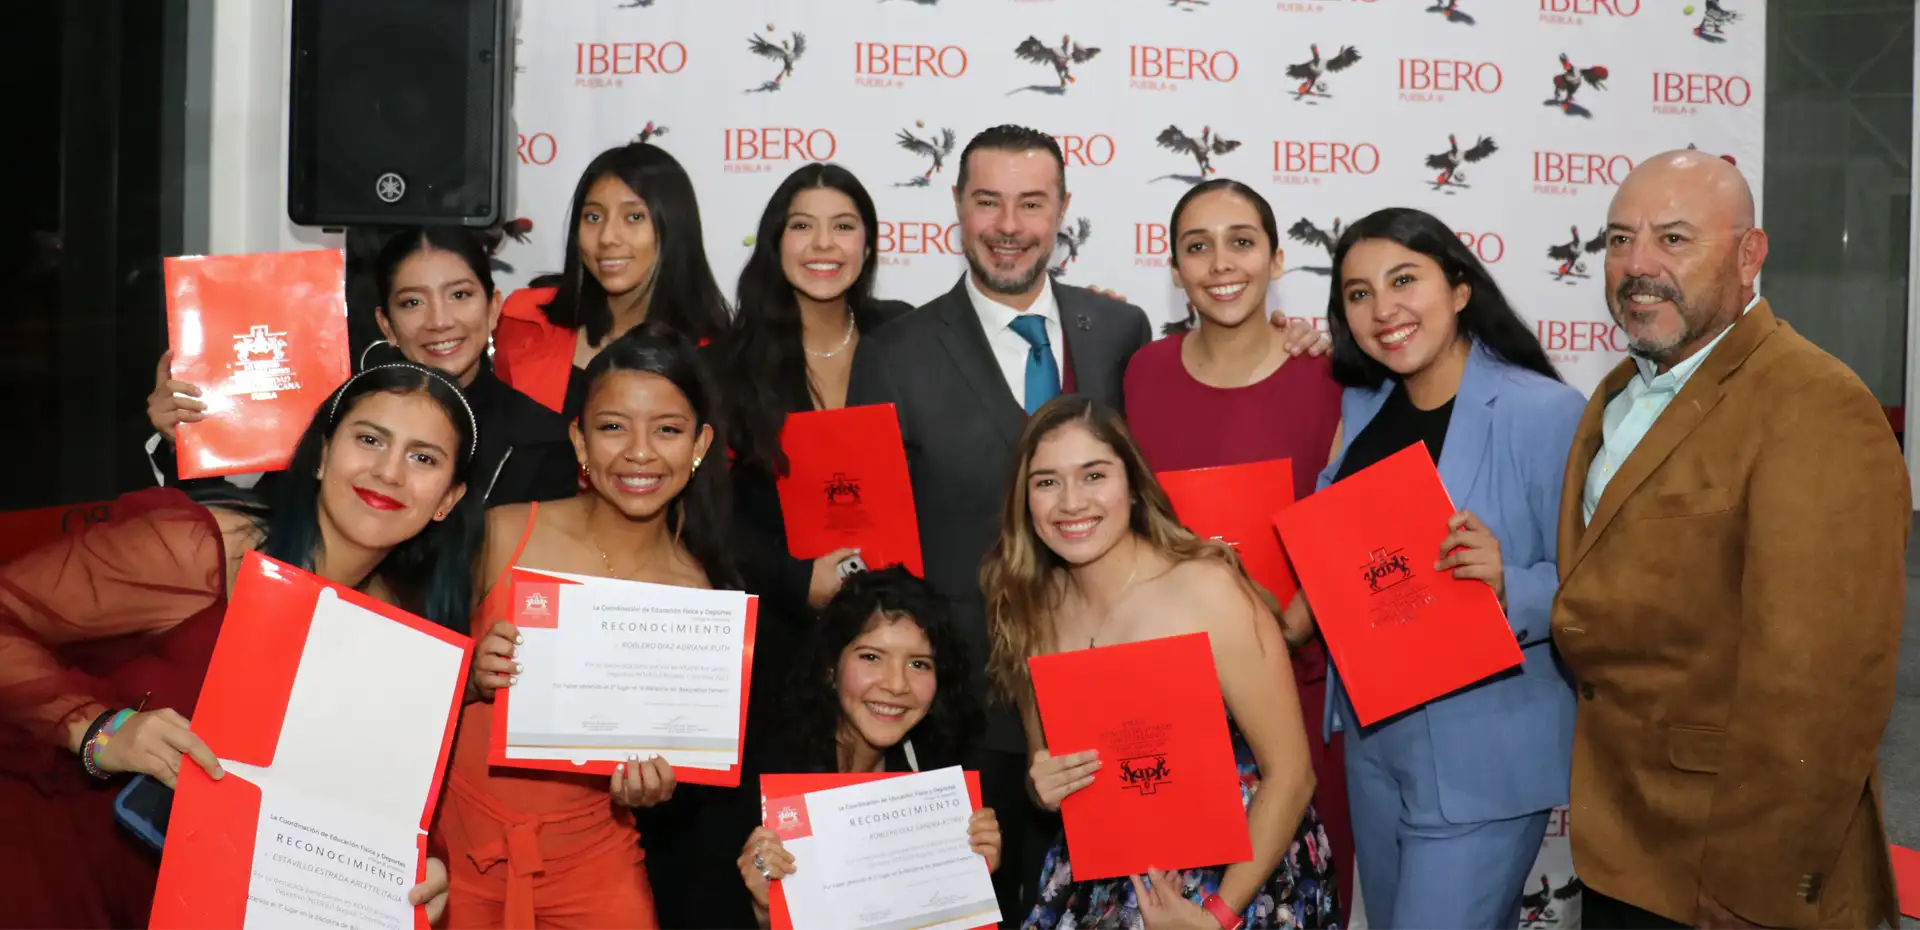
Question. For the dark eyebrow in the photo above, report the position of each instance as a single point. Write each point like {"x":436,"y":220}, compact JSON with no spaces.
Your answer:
{"x":1390,"y":271}
{"x":386,"y":435}
{"x":435,"y":449}
{"x":983,"y":192}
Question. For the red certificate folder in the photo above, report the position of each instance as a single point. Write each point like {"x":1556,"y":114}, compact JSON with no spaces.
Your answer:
{"x":264,"y":337}
{"x":294,"y":649}
{"x":1401,"y":634}
{"x":1167,"y":795}
{"x":783,"y":787}
{"x":1236,"y":505}
{"x":847,"y":486}
{"x":540,"y":584}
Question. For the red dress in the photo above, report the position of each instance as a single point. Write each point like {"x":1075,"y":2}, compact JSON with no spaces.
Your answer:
{"x":97,"y":620}
{"x":1181,"y":423}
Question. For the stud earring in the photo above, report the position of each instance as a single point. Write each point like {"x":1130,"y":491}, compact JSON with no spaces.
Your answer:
{"x":696,"y":462}
{"x":439,"y":515}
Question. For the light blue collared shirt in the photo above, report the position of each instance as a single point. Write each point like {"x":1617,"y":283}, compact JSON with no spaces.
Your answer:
{"x":1633,"y":412}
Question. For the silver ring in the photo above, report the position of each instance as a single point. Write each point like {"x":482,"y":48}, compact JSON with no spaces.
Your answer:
{"x":760,"y":862}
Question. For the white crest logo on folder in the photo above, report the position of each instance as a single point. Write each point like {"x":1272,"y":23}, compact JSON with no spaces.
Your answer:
{"x":789,"y":818}
{"x":260,"y":369}
{"x":536,"y":603}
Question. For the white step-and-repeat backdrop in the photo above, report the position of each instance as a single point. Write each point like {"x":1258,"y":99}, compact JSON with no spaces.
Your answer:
{"x":1512,"y":120}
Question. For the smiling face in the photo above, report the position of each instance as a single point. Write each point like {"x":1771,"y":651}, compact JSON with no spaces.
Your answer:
{"x":639,"y":440}
{"x":1077,"y":495}
{"x":885,"y":682}
{"x":618,"y":243}
{"x":388,"y":470}
{"x":1682,"y":253}
{"x":438,"y":315}
{"x":1401,"y":309}
{"x":1009,"y":215}
{"x":824,"y":247}
{"x":1223,"y":258}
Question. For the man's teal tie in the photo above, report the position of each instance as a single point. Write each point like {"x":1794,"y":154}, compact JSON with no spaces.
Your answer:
{"x":1043,"y":376}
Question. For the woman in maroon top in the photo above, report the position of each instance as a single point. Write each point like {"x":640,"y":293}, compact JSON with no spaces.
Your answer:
{"x":1228,"y":392}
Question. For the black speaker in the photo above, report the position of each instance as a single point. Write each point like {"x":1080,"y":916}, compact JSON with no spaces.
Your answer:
{"x":399,"y":112}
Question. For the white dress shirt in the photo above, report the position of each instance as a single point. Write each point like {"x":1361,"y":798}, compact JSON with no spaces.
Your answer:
{"x":1009,"y":348}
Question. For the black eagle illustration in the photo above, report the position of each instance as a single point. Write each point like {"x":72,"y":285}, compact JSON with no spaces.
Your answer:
{"x":1449,"y":161}
{"x":519,"y":230}
{"x":1309,"y":73}
{"x":630,"y":4}
{"x":1062,"y":59}
{"x":1570,"y":79}
{"x":1305,"y":231}
{"x":1202,"y":149}
{"x":1534,"y":904}
{"x":1571,"y":254}
{"x":786,"y":53}
{"x":1071,"y":241}
{"x":1714,"y":21}
{"x":650,"y":132}
{"x":935,"y":148}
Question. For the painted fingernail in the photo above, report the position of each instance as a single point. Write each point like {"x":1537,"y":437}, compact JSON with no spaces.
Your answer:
{"x":519,"y":640}
{"x":513,"y":680}
{"x":516,"y":668}
{"x":620,"y":768}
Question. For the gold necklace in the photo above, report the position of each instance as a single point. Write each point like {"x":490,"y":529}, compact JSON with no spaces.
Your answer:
{"x":1123,"y":593}
{"x":608,"y":562}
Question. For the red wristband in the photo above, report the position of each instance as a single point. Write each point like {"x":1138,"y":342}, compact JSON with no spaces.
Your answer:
{"x":1222,"y":913}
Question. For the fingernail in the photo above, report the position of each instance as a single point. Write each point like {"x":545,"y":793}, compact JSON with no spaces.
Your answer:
{"x":516,"y":668}
{"x":513,"y":680}
{"x":519,"y":640}
{"x":620,"y":768}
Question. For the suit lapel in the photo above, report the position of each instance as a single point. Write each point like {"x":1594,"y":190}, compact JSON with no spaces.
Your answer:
{"x":1086,"y":334}
{"x":1465,"y":449}
{"x":1586,"y":444}
{"x":966,"y":343}
{"x":1689,"y":409}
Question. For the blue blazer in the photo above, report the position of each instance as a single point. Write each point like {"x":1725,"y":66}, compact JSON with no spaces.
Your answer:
{"x":1504,"y":747}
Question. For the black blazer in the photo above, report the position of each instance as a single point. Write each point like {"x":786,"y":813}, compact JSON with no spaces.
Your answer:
{"x":960,"y":422}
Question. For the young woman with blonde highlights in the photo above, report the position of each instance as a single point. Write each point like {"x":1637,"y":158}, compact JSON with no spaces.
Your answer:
{"x":1090,"y":554}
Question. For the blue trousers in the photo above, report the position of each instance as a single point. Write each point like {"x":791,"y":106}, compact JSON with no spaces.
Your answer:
{"x":1417,"y":869}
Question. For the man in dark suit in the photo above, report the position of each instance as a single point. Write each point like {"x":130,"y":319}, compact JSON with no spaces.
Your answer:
{"x":964,"y":372}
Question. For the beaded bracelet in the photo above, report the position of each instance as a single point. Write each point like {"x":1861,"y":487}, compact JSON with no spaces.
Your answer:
{"x":90,"y":752}
{"x":86,"y":743}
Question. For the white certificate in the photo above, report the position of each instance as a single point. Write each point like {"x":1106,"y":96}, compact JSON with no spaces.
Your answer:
{"x":891,"y":854}
{"x":629,"y":668}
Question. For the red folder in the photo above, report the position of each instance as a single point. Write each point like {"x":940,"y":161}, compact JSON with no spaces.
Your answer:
{"x":1167,"y":795}
{"x":1236,"y":505}
{"x":206,"y":871}
{"x":847,"y":486}
{"x":22,"y":531}
{"x":783,"y":787}
{"x":265,"y":338}
{"x":527,"y":582}
{"x":1400,"y":633}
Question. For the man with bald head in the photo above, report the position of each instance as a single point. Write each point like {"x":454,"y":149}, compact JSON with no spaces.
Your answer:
{"x":1732,"y":585}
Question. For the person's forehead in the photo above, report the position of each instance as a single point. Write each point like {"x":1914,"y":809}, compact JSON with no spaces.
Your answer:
{"x":1669,"y":198}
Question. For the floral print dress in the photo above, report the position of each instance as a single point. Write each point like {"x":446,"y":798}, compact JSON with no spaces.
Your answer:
{"x":1301,"y":892}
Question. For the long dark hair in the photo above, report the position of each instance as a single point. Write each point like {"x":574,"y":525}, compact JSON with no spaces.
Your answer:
{"x":432,"y":573}
{"x":701,"y":515}
{"x":803,"y":726}
{"x":766,"y":361}
{"x":1268,"y":224}
{"x":685,"y":297}
{"x":1487,"y":319}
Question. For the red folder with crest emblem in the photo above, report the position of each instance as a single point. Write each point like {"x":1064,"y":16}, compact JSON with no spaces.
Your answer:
{"x":264,"y":337}
{"x":1167,"y":795}
{"x":1400,"y":633}
{"x":847,"y":487}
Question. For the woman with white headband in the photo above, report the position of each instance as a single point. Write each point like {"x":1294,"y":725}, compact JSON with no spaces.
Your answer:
{"x":111,"y":630}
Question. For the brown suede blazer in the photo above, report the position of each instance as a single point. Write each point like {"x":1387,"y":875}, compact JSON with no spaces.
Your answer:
{"x":1732,"y":618}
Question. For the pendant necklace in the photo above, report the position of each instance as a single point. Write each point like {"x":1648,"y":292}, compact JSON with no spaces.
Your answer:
{"x":843,"y":341}
{"x":1123,"y":593}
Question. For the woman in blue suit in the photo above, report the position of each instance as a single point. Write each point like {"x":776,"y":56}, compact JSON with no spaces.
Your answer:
{"x":1450,"y":799}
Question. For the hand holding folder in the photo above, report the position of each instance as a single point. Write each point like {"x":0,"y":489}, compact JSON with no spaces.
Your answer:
{"x":332,"y":714}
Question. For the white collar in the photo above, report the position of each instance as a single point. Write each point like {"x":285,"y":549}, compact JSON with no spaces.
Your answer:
{"x":996,"y":316}
{"x":1649,"y":369}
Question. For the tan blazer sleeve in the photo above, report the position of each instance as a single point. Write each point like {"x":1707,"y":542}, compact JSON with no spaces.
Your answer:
{"x":1822,"y":605}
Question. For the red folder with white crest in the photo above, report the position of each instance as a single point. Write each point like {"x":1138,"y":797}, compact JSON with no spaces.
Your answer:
{"x":264,"y":337}
{"x":332,"y":714}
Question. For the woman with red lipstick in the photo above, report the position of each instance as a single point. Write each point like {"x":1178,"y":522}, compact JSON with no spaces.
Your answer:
{"x":881,"y":685}
{"x":123,"y":618}
{"x":537,"y":848}
{"x":1090,"y":552}
{"x":635,"y":253}
{"x":1228,"y":392}
{"x":1450,"y":799}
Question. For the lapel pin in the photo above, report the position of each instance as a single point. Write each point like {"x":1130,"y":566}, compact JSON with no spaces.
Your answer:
{"x":1080,"y":320}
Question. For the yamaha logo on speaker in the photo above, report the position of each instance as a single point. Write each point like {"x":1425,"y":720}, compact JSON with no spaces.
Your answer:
{"x":390,"y":188}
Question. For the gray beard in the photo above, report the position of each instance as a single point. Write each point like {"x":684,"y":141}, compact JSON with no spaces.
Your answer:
{"x":1007,"y":287}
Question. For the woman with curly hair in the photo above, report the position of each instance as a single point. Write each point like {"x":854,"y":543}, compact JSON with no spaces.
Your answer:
{"x":880,"y":686}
